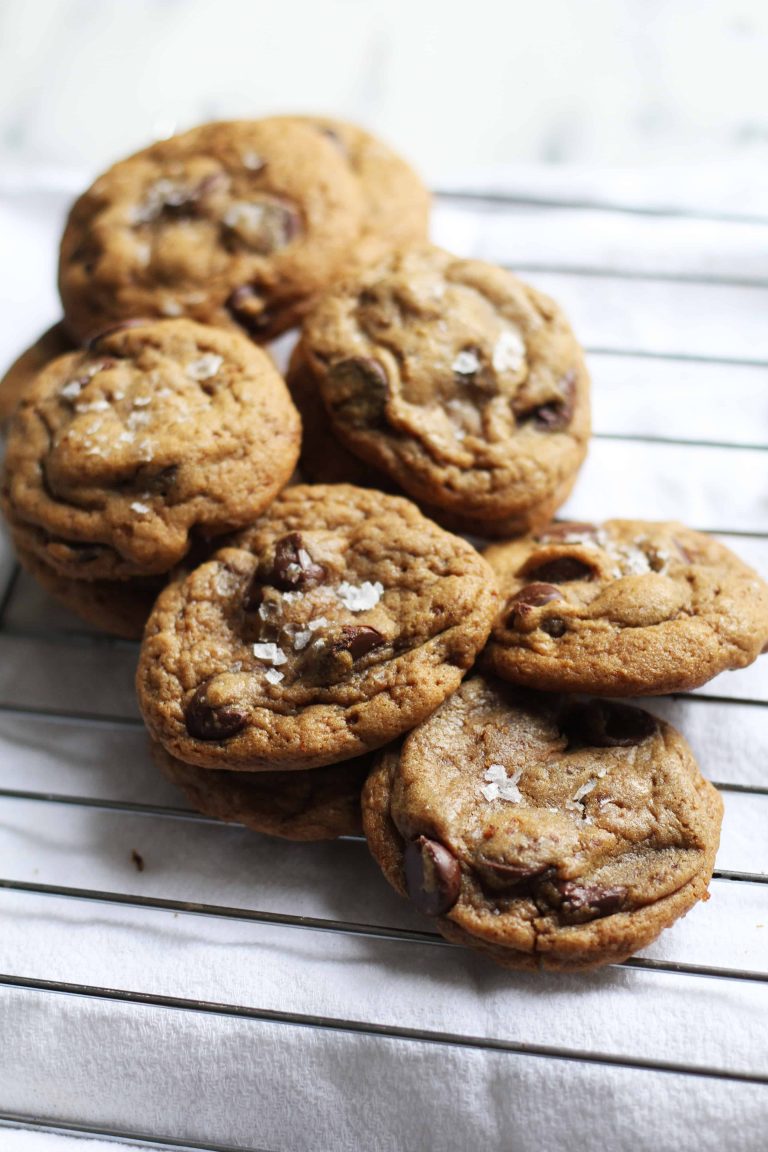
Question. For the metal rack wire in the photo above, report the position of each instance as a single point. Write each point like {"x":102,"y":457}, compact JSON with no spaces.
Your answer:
{"x":656,"y":968}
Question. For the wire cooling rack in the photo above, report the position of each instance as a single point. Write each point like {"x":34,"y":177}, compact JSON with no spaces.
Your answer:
{"x":176,"y":946}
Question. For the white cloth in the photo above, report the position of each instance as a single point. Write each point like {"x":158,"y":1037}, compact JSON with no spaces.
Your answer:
{"x":221,"y":1079}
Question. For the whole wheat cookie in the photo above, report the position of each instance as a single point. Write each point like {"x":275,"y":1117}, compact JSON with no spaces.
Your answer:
{"x":159,"y":432}
{"x":396,"y":201}
{"x":237,"y":224}
{"x":320,"y":804}
{"x":54,"y":342}
{"x":118,"y":607}
{"x":337,"y":622}
{"x":463,"y":385}
{"x":628,"y":608}
{"x":546,"y":833}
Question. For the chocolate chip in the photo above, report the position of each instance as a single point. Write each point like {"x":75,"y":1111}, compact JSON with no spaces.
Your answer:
{"x":183,"y":202}
{"x":72,"y":552}
{"x":357,"y":639}
{"x":512,"y":874}
{"x":205,"y":721}
{"x":557,"y":414}
{"x":555,"y":627}
{"x":293,"y":567}
{"x":557,"y":532}
{"x":432,"y":876}
{"x":358,"y":389}
{"x":264,"y":225}
{"x":588,"y":902}
{"x":561,"y":570}
{"x":528,"y":599}
{"x":604,"y":724}
{"x":254,"y":594}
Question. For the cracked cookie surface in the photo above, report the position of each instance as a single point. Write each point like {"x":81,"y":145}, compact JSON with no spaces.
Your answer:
{"x":119,"y":453}
{"x":334,"y":624}
{"x":237,"y":224}
{"x":320,"y":804}
{"x":463,"y":385}
{"x":625,"y":608}
{"x":546,"y":832}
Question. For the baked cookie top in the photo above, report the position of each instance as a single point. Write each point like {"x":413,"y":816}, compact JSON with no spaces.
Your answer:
{"x":628,"y":608}
{"x":454,"y":378}
{"x":337,"y":622}
{"x":548,"y":832}
{"x":237,"y":223}
{"x":396,"y":202}
{"x":320,"y":804}
{"x":54,"y":342}
{"x":117,"y":453}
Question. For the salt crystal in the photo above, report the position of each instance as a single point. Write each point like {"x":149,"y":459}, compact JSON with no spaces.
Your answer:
{"x":270,"y":652}
{"x":141,"y":401}
{"x":500,"y":785}
{"x":205,"y":366}
{"x":171,"y":308}
{"x":360,"y":597}
{"x":301,"y":639}
{"x":466,"y":363}
{"x":72,"y":389}
{"x":252,"y":161}
{"x":273,"y":675}
{"x":318,"y":622}
{"x":490,"y":791}
{"x":509,"y":351}
{"x":584,"y":790}
{"x":142,"y":509}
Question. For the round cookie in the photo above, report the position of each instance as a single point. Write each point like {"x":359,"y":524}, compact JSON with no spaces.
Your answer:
{"x":396,"y":201}
{"x":337,"y":622}
{"x":118,"y":607}
{"x":317,"y":805}
{"x":53,"y":342}
{"x":630,"y":608}
{"x":237,"y":224}
{"x":160,"y":432}
{"x":546,"y":833}
{"x":459,"y":382}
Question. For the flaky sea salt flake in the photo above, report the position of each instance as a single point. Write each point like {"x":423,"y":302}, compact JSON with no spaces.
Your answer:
{"x":508,"y":351}
{"x":466,"y":363}
{"x":272,"y":653}
{"x":360,"y":597}
{"x":142,"y":509}
{"x":273,"y":675}
{"x":205,"y":366}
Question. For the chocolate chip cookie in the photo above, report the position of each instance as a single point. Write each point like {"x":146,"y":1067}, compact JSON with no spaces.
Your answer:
{"x":396,"y":202}
{"x":317,"y":805}
{"x":161,"y":431}
{"x":236,"y":224}
{"x":546,"y":833}
{"x":336,"y":623}
{"x":118,"y":607}
{"x":628,"y":608}
{"x":459,"y":382}
{"x":54,"y":342}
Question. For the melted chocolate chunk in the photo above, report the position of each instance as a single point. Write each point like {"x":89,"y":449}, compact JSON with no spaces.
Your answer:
{"x":432,"y":876}
{"x":359,"y":391}
{"x":530,"y":597}
{"x":604,"y":724}
{"x":557,"y":414}
{"x":246,"y":307}
{"x":555,"y":626}
{"x":561,"y":570}
{"x":588,"y":902}
{"x":264,"y":226}
{"x":358,"y":640}
{"x":206,"y":722}
{"x":137,"y":322}
{"x":293,"y":567}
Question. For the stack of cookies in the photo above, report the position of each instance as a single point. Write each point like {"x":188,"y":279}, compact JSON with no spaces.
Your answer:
{"x":305,"y":652}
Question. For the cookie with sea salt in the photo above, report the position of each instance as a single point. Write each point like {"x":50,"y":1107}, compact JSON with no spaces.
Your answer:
{"x":334,"y":624}
{"x":396,"y":202}
{"x":628,"y":608}
{"x":238,"y":224}
{"x":544,"y":832}
{"x":316,"y":805}
{"x":461,"y":384}
{"x":53,"y":342}
{"x":122,"y":454}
